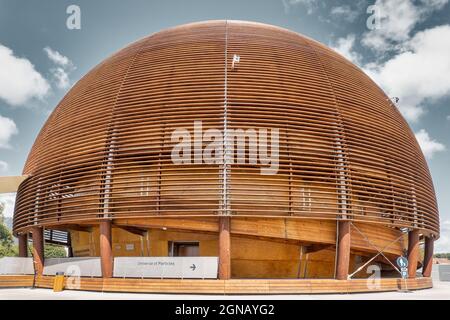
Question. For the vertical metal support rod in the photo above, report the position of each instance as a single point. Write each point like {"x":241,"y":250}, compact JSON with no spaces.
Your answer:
{"x":225,"y":210}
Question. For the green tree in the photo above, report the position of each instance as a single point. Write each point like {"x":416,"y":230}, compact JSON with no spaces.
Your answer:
{"x":7,"y":247}
{"x":50,"y":251}
{"x":54,"y":251}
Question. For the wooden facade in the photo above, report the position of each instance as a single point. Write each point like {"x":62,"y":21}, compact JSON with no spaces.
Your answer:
{"x":277,"y":248}
{"x":347,"y":159}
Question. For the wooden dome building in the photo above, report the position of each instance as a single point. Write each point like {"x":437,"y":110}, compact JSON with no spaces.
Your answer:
{"x":352,"y":187}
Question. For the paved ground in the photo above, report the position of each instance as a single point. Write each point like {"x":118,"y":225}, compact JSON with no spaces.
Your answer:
{"x":441,"y":291}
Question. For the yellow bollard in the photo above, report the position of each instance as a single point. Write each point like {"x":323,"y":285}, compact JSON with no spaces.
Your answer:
{"x":58,"y":284}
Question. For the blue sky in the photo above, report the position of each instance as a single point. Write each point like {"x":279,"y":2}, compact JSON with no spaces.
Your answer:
{"x":404,"y":45}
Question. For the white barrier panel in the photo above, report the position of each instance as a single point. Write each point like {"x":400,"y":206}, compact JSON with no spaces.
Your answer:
{"x":82,"y":266}
{"x":166,"y":267}
{"x":444,"y":272}
{"x":16,"y":265}
{"x":435,"y":272}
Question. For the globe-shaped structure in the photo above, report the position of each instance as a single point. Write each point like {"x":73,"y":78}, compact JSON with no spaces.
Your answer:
{"x":345,"y":151}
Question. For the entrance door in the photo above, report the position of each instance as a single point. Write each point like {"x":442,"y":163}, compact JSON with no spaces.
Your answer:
{"x":184,"y":249}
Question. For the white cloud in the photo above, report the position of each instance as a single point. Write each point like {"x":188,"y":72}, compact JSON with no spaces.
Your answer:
{"x":397,"y":20}
{"x":344,"y":12}
{"x":3,"y":166}
{"x":19,"y":80}
{"x":443,"y":244}
{"x":64,"y":67}
{"x":344,"y":46}
{"x":7,"y":129}
{"x":57,"y":57}
{"x":428,"y":145}
{"x":433,"y":4}
{"x":61,"y":77}
{"x":420,"y":74}
{"x":448,"y":117}
{"x":8,"y":200}
{"x":310,"y":5}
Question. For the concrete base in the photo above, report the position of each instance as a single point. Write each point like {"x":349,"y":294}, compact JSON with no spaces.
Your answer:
{"x":233,"y":286}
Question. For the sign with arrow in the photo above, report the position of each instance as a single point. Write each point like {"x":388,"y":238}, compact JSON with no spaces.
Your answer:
{"x":166,"y":267}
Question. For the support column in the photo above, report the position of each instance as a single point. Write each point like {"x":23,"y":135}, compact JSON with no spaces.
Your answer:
{"x":38,"y":249}
{"x":413,"y":253}
{"x":343,"y":250}
{"x":224,"y":248}
{"x":106,"y":249}
{"x":23,"y":245}
{"x":428,"y":257}
{"x":69,"y":245}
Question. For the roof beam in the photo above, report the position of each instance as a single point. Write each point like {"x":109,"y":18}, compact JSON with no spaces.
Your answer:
{"x":10,"y":184}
